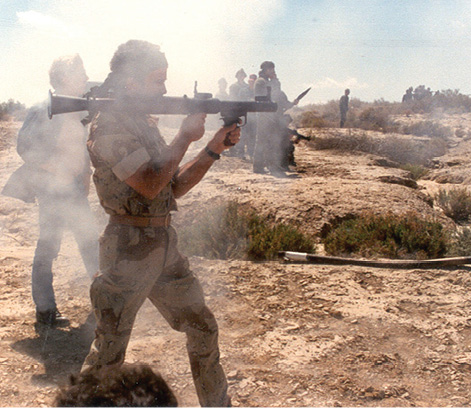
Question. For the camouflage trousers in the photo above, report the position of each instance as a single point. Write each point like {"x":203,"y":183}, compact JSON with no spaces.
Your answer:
{"x":140,"y":263}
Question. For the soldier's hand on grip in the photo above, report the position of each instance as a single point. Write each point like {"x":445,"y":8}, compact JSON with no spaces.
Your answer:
{"x":224,"y":138}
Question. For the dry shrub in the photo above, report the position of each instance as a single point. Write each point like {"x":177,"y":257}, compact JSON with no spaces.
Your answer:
{"x":407,"y":151}
{"x":229,"y":232}
{"x":427,"y":128}
{"x":400,"y":150}
{"x":346,"y":142}
{"x":12,"y":109}
{"x":389,"y":235}
{"x":461,"y":244}
{"x":455,"y":203}
{"x":311,"y":119}
{"x":372,"y":118}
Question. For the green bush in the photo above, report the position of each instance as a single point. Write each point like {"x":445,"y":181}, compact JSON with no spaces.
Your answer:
{"x":416,"y":171}
{"x":227,"y":232}
{"x":388,"y":235}
{"x":455,"y":203}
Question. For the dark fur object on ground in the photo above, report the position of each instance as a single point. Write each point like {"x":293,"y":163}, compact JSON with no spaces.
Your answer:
{"x":128,"y":386}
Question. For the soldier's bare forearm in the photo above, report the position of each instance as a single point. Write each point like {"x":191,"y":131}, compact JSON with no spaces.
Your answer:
{"x":190,"y":174}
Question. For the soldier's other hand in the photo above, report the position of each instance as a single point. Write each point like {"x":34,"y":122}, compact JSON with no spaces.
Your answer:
{"x":192,"y":126}
{"x":225,"y":138}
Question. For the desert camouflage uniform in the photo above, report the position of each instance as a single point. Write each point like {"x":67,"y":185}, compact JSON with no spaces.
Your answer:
{"x":143,"y":262}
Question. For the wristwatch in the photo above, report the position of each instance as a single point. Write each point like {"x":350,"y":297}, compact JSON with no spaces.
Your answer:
{"x":211,"y":154}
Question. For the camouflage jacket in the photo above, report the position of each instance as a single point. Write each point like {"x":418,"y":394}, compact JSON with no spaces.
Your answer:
{"x":119,"y":144}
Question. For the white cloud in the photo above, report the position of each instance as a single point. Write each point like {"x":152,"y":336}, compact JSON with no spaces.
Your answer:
{"x":47,"y":24}
{"x":330,"y":83}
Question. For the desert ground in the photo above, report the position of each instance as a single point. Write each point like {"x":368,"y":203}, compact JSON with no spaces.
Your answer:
{"x":290,"y":334}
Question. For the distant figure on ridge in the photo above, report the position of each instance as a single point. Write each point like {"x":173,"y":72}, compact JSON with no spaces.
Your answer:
{"x":343,"y":105}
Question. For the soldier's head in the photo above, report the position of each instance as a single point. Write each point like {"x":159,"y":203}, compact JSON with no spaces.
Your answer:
{"x":127,"y":386}
{"x":139,"y":68}
{"x":222,"y":84}
{"x":240,"y":75}
{"x":252,"y":79}
{"x":267,"y":70}
{"x":67,"y":75}
{"x":347,"y":91}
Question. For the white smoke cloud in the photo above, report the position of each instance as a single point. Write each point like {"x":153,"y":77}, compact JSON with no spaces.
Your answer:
{"x":203,"y":40}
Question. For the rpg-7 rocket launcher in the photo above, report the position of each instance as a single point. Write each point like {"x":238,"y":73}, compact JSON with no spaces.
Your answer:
{"x":230,"y":111}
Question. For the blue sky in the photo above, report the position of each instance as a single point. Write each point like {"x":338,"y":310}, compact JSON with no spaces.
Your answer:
{"x":377,"y":48}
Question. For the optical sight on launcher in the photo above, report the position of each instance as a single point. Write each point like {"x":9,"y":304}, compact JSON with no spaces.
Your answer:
{"x":230,"y":111}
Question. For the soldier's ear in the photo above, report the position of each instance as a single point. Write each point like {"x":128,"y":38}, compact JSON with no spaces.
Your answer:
{"x":131,"y":85}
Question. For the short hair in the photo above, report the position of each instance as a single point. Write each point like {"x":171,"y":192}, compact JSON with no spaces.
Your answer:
{"x":128,"y":386}
{"x":136,"y":58}
{"x":266,"y":65}
{"x":61,"y":68}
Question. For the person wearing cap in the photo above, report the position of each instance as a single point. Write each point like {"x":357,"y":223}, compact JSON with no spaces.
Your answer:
{"x":234,"y":95}
{"x":236,"y":87}
{"x":138,"y":177}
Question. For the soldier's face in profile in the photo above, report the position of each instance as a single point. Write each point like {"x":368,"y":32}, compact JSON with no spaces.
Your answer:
{"x":76,"y":81}
{"x":153,"y":84}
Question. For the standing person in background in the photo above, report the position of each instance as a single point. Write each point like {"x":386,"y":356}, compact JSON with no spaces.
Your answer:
{"x":270,"y":142}
{"x":56,"y":158}
{"x":234,"y":95}
{"x":343,"y":106}
{"x":236,"y":87}
{"x":266,"y":122}
{"x":249,"y":131}
{"x":222,"y":90}
{"x":281,"y":140}
{"x":138,"y":177}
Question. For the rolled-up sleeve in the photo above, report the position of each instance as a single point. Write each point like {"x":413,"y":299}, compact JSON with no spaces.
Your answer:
{"x":131,"y":163}
{"x":122,"y":152}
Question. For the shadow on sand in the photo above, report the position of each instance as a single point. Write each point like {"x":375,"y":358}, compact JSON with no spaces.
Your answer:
{"x":61,"y":350}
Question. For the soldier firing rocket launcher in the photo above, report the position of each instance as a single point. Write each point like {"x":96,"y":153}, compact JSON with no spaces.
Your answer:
{"x":230,"y":111}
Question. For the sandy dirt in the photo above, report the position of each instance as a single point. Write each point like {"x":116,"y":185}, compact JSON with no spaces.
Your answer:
{"x":290,"y":334}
